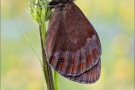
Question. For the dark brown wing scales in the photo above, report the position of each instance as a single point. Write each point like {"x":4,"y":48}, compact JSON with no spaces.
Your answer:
{"x":90,"y":76}
{"x":73,"y":47}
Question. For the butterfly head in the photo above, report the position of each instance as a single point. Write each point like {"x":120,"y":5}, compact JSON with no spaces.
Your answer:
{"x":62,"y":1}
{"x":59,"y":4}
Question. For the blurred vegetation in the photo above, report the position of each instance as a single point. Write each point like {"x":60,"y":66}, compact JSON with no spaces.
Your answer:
{"x":114,"y":22}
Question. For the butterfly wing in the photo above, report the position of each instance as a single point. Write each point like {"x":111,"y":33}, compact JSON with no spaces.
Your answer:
{"x":73,"y":46}
{"x":90,"y":76}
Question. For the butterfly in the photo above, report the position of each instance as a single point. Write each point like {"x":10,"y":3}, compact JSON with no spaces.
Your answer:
{"x":73,"y":47}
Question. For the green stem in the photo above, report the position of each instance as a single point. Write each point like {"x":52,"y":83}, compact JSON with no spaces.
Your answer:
{"x":56,"y":84}
{"x":46,"y":67}
{"x":40,"y":14}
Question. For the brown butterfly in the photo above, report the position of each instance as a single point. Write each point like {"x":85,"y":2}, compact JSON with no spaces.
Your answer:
{"x":73,"y":46}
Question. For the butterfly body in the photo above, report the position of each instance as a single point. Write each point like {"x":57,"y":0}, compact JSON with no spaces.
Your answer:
{"x":72,"y":44}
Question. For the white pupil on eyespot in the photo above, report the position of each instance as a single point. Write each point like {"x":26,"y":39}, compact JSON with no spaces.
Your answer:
{"x":62,"y":60}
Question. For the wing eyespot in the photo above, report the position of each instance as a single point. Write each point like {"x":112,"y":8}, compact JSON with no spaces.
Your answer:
{"x":61,"y":60}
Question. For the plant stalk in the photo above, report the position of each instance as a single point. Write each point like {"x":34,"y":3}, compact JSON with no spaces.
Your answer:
{"x":46,"y":67}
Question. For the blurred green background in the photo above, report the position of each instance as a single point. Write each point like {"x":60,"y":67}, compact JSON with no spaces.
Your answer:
{"x":112,"y":19}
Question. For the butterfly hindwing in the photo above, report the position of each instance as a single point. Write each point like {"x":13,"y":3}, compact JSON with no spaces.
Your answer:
{"x":73,"y":46}
{"x":90,"y":76}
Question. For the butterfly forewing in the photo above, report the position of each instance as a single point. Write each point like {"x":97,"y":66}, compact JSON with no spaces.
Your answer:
{"x":73,"y":46}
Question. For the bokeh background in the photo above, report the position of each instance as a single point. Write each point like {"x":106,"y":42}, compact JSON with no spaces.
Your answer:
{"x":112,"y":19}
